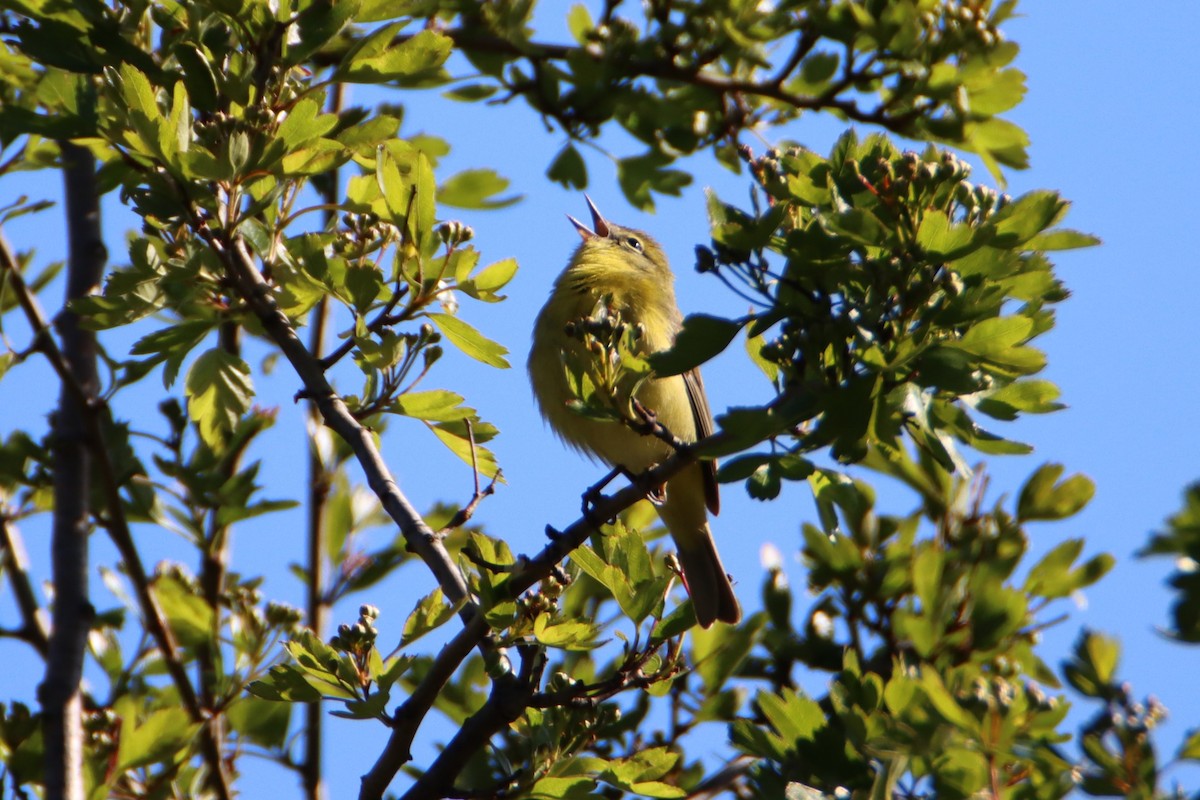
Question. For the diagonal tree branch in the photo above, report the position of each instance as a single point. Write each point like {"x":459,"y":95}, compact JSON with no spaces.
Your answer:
{"x":703,"y":76}
{"x":418,"y":535}
{"x":506,"y":703}
{"x":411,"y":713}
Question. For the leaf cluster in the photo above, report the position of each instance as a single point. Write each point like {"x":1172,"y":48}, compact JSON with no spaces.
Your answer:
{"x":896,"y":301}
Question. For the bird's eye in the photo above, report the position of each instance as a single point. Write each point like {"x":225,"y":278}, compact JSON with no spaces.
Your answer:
{"x":634,"y":243}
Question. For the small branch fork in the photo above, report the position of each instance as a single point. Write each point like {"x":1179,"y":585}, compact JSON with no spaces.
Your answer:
{"x":464,"y":514}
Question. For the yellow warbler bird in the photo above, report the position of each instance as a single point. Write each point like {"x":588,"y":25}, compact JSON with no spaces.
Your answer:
{"x":630,"y":268}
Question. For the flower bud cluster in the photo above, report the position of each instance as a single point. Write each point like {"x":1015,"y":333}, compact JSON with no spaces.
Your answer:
{"x":454,"y":233}
{"x":362,"y":232}
{"x":357,"y":639}
{"x":962,"y":24}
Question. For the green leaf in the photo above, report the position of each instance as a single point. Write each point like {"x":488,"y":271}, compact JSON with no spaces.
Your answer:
{"x":480,"y":457}
{"x":764,"y":483}
{"x":260,"y":721}
{"x":391,"y":671}
{"x":1030,"y":396}
{"x":718,"y":651}
{"x":754,"y":346}
{"x":437,"y":405}
{"x":994,"y":336}
{"x":815,"y":73}
{"x":164,"y":736}
{"x":142,"y":105}
{"x":1043,"y":498}
{"x":641,"y":175}
{"x":378,"y":59}
{"x":1092,"y":668}
{"x":172,"y":345}
{"x":395,"y":186}
{"x":190,"y":617}
{"x":174,"y":137}
{"x":371,"y":708}
{"x":1027,"y":216}
{"x":681,"y":619}
{"x":927,"y":576}
{"x":751,"y":737}
{"x":471,"y":92}
{"x":430,"y":612}
{"x":1190,"y":749}
{"x":991,"y":92}
{"x":701,"y":337}
{"x":1061,"y":239}
{"x":997,"y":141}
{"x":568,"y":169}
{"x":304,"y":123}
{"x":623,"y":567}
{"x":944,"y":703}
{"x":946,"y":240}
{"x":420,"y":222}
{"x":579,"y":22}
{"x":476,"y":188}
{"x":197,"y":76}
{"x":495,"y":276}
{"x":489,"y":280}
{"x":640,"y":773}
{"x":792,"y":714}
{"x":369,"y":133}
{"x":578,"y":787}
{"x":219,"y":392}
{"x":471,"y":341}
{"x":319,"y":24}
{"x":571,"y":635}
{"x":284,"y":683}
{"x":962,"y":772}
{"x":1052,"y":577}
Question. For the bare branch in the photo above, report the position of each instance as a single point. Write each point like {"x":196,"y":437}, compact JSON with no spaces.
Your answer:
{"x":60,"y":694}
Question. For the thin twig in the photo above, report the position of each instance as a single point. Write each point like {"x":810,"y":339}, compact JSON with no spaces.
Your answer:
{"x":12,"y":556}
{"x":464,"y":514}
{"x":320,"y":482}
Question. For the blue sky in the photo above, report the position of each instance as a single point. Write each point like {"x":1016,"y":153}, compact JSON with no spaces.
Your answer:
{"x":1110,"y":111}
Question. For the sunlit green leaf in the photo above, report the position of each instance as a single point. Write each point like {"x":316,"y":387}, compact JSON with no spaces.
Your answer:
{"x":471,"y":341}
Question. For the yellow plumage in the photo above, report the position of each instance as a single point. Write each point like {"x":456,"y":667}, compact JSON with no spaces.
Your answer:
{"x":631,"y":269}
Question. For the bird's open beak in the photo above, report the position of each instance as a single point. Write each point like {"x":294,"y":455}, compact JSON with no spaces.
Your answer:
{"x":599,"y":226}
